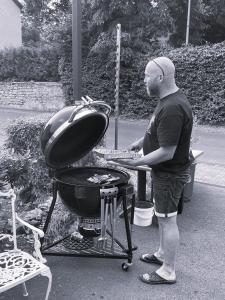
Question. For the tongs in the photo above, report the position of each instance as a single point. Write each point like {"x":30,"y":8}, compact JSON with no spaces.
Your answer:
{"x":102,"y":241}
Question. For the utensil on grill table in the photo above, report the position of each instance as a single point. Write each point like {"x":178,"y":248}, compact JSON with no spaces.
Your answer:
{"x":114,"y":214}
{"x":100,"y":242}
{"x":105,"y":222}
{"x":111,"y":213}
{"x":113,"y":209}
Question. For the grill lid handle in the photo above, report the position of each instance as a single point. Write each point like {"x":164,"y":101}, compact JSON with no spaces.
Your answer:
{"x":91,"y":102}
{"x":88,"y":102}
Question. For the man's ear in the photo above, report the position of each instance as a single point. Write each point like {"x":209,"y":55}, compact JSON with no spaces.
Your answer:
{"x":161,"y":77}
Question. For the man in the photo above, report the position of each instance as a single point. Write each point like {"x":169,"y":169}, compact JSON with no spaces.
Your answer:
{"x":166,"y":149}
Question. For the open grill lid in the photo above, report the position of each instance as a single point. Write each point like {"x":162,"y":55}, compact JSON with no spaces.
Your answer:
{"x":73,"y":132}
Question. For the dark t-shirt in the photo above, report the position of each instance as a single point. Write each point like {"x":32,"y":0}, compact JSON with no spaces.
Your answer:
{"x":171,"y":124}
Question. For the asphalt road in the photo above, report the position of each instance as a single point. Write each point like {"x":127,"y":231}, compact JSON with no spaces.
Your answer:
{"x":208,"y":139}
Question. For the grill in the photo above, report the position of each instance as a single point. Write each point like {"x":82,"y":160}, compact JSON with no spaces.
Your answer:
{"x":83,"y":197}
{"x":91,"y":193}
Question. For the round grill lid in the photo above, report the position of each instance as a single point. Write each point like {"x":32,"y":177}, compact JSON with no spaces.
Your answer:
{"x":71,"y":133}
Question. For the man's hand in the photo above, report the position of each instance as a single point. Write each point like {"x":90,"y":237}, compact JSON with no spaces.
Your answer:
{"x":136,"y":146}
{"x":128,"y":162}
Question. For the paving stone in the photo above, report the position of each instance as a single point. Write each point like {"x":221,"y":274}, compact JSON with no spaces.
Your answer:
{"x":210,"y":173}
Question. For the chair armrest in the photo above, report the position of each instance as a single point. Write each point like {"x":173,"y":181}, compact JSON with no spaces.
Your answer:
{"x":6,"y":236}
{"x":38,"y":233}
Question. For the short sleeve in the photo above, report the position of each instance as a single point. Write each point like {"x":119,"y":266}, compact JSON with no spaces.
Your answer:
{"x":170,"y":123}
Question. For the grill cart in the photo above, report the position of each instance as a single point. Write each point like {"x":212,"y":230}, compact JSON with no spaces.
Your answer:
{"x":92,"y":194}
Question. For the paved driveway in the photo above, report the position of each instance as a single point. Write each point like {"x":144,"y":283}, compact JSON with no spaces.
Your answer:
{"x":200,"y":263}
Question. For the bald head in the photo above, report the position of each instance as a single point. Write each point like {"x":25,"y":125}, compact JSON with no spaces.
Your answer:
{"x":160,"y":76}
{"x":163,"y":64}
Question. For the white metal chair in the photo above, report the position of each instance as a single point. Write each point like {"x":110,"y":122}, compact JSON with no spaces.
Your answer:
{"x":17,"y":266}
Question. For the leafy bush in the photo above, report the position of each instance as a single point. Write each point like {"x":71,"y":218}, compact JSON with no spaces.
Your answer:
{"x":213,"y":110}
{"x":29,"y":63}
{"x":200,"y":73}
{"x":23,"y":163}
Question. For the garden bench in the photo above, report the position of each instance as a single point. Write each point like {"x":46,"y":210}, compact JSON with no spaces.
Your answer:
{"x":17,"y":266}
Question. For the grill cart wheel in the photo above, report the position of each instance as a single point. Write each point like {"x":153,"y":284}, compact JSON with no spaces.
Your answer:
{"x":125,"y":266}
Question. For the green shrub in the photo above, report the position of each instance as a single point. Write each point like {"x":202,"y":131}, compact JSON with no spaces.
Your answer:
{"x":22,"y":161}
{"x":213,"y":111}
{"x":24,"y":136}
{"x":29,"y":63}
{"x":200,"y":73}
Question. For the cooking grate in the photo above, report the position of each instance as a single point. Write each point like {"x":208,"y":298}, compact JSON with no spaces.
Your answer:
{"x":80,"y":176}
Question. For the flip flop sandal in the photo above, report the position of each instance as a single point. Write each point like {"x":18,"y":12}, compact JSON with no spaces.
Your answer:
{"x":151,"y":259}
{"x":154,"y":278}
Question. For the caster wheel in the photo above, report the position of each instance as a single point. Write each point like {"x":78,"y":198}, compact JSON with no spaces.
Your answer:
{"x":125,"y":266}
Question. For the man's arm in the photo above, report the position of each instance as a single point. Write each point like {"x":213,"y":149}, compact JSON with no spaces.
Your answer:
{"x":158,"y":156}
{"x":137,"y":145}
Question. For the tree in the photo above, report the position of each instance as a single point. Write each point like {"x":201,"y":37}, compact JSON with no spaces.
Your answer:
{"x":142,"y":21}
{"x":207,"y":20}
{"x":214,"y":17}
{"x":178,"y":11}
{"x":34,"y":13}
{"x":141,"y":24}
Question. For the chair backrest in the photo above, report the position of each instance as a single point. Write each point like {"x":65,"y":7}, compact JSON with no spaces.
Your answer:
{"x":10,"y":196}
{"x":37,"y":233}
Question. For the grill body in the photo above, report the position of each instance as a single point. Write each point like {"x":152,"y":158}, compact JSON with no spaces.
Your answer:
{"x":83,"y":197}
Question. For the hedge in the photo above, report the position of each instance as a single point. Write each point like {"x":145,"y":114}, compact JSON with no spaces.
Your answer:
{"x":200,"y":73}
{"x":29,"y":63}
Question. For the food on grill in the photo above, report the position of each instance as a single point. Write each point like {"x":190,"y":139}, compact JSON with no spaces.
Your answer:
{"x":107,"y":178}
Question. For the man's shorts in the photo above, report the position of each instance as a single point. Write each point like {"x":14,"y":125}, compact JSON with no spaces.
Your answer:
{"x":167,"y":191}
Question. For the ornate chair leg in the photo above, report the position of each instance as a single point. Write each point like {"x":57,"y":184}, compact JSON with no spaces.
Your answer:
{"x":25,"y":293}
{"x":48,"y":274}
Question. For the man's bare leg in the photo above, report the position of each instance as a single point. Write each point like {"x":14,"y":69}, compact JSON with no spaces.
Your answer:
{"x":168,"y":246}
{"x":160,"y":253}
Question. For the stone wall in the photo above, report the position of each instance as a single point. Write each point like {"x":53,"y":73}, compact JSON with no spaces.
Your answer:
{"x":43,"y":96}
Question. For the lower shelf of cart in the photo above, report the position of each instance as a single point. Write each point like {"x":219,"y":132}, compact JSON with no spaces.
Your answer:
{"x":88,"y":247}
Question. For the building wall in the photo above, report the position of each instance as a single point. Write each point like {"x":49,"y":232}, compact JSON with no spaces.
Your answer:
{"x":42,"y":96}
{"x":10,"y":24}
